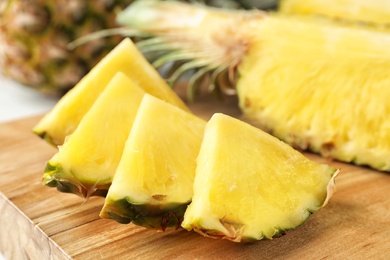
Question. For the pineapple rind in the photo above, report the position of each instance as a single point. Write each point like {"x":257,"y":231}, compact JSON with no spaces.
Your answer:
{"x":34,"y":37}
{"x":54,"y":177}
{"x":146,"y":215}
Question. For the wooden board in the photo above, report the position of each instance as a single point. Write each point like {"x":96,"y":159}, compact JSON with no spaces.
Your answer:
{"x":38,"y":222}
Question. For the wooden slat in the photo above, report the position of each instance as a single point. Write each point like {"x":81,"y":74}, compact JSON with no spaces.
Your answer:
{"x":38,"y":222}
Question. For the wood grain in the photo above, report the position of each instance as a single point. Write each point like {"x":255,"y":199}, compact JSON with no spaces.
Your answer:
{"x":38,"y":222}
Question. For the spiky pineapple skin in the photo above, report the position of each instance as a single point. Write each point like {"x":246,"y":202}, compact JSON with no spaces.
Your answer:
{"x":145,"y":215}
{"x":34,"y":38}
{"x":54,"y":177}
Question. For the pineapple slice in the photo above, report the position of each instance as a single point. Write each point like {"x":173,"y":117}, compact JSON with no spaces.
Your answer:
{"x":249,"y":185}
{"x":64,"y":118}
{"x":153,"y":182}
{"x":315,"y":84}
{"x":371,"y":12}
{"x":85,"y":164}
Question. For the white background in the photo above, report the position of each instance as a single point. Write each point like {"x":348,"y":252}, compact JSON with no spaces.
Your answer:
{"x":18,"y":101}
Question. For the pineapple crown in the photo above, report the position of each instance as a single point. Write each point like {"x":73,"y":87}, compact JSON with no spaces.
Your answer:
{"x":202,"y":44}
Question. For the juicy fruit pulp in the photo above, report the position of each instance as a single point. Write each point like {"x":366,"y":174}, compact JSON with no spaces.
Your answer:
{"x":314,"y":84}
{"x":85,"y":164}
{"x":375,"y":12}
{"x":64,"y":118}
{"x":153,"y":182}
{"x":249,"y":185}
{"x":334,"y":102}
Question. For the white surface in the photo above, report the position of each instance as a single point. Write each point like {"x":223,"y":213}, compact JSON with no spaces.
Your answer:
{"x":18,"y":101}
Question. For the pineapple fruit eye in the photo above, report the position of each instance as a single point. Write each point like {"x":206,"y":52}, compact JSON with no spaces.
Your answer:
{"x":32,"y":20}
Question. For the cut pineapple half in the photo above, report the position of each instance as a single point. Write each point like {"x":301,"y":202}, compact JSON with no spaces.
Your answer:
{"x":64,"y":118}
{"x":249,"y":185}
{"x":315,"y":84}
{"x":86,"y":163}
{"x":153,"y":182}
{"x":321,"y":88}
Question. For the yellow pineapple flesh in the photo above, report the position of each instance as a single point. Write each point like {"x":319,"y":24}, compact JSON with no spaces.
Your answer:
{"x":152,"y":185}
{"x":322,"y":88}
{"x":315,"y":84}
{"x":85,"y":164}
{"x":249,"y":185}
{"x":64,"y":118}
{"x":376,"y":12}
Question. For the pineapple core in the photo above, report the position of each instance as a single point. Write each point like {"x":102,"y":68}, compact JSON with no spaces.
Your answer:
{"x":249,"y":185}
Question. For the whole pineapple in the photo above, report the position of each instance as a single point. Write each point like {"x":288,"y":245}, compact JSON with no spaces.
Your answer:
{"x":34,"y":35}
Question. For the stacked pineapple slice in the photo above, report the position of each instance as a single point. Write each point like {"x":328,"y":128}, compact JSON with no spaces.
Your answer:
{"x":86,"y":162}
{"x":71,"y":108}
{"x":153,"y":158}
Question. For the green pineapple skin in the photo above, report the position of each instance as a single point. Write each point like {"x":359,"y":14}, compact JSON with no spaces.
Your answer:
{"x":52,"y":177}
{"x":145,"y":215}
{"x":44,"y":136}
{"x":35,"y":35}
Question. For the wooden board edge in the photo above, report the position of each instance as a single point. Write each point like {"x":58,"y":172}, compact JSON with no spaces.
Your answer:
{"x":20,"y":238}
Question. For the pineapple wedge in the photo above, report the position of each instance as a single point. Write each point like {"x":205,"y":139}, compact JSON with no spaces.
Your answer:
{"x":64,"y":118}
{"x":249,"y":185}
{"x":85,"y":164}
{"x":315,"y":84}
{"x":153,"y":182}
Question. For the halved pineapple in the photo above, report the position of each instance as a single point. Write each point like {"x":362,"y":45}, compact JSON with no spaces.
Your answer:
{"x":64,"y":118}
{"x":316,"y":85}
{"x":249,"y":185}
{"x":86,"y":163}
{"x":153,"y":182}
